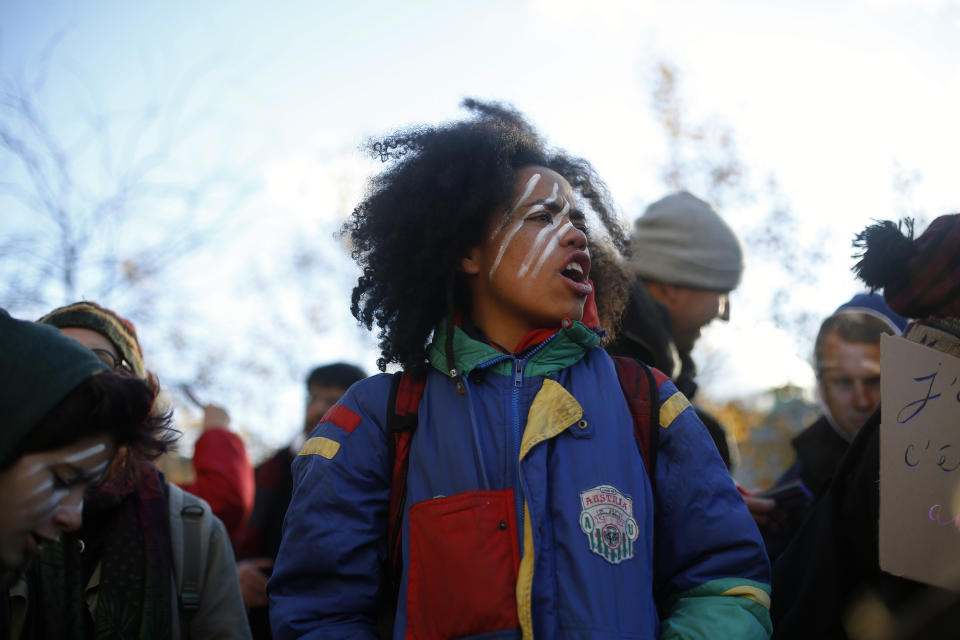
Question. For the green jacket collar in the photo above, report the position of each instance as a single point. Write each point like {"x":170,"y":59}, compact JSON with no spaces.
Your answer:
{"x":565,"y":348}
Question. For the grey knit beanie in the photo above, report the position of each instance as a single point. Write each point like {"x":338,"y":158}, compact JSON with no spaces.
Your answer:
{"x":681,"y":240}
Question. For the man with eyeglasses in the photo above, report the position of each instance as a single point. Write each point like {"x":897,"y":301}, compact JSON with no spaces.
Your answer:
{"x":847,"y":363}
{"x":686,"y":260}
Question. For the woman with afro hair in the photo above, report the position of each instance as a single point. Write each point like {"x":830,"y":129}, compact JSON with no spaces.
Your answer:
{"x":489,"y":264}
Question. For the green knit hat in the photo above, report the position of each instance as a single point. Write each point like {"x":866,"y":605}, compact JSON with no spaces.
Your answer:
{"x":89,"y":315}
{"x":40,"y":367}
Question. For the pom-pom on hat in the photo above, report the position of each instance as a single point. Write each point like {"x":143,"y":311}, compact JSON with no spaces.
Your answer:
{"x":682,"y":240}
{"x":89,"y":315}
{"x":920,"y":276}
{"x":40,"y":367}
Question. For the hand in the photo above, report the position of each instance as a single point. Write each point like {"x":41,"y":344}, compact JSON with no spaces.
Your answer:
{"x":760,"y":509}
{"x":215,"y":417}
{"x":253,"y":581}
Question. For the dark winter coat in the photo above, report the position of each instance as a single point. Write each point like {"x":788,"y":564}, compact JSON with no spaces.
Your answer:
{"x":644,"y":334}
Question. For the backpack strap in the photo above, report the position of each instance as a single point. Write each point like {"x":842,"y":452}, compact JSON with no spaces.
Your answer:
{"x":187,"y":529}
{"x":192,"y":519}
{"x":405,"y":394}
{"x":641,"y":388}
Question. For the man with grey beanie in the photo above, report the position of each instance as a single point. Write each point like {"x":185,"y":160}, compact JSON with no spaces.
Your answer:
{"x":686,"y":260}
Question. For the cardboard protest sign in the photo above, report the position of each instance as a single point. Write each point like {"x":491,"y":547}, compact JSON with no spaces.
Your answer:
{"x":920,"y":463}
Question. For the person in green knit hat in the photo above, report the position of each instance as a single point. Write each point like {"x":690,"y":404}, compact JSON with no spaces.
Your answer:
{"x":64,"y":416}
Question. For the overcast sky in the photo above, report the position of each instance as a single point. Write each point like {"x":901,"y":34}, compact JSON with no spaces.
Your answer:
{"x":834,"y":98}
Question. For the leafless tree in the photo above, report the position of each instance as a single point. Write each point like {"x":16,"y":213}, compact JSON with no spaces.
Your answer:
{"x":91,"y":205}
{"x":703,"y":159}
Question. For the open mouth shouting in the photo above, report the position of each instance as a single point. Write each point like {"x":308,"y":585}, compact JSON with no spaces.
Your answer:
{"x":577,"y":271}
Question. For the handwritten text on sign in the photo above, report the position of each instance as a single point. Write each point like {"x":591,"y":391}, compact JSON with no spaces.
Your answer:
{"x":920,"y":463}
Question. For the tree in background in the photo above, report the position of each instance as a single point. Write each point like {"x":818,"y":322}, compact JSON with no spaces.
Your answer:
{"x":91,"y":209}
{"x":703,"y":159}
{"x":143,"y":204}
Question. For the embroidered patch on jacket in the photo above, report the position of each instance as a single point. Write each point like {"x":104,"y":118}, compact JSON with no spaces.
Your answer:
{"x":607,"y":519}
{"x":342,"y":417}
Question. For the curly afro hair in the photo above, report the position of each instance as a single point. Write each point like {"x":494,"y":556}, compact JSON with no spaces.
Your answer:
{"x":433,"y":203}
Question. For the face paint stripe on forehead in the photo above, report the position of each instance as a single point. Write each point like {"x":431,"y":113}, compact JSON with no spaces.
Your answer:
{"x":89,"y":452}
{"x":531,"y":185}
{"x":551,"y":246}
{"x":40,"y":466}
{"x":553,"y":194}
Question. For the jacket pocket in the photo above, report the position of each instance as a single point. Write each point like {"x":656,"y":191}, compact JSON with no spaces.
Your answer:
{"x":464,"y":557}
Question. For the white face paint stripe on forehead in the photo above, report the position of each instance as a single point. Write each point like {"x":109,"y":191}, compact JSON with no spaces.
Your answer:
{"x":89,"y":452}
{"x":531,"y":185}
{"x":553,"y":194}
{"x":39,"y":466}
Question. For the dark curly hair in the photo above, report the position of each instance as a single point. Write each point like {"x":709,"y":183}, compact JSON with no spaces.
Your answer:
{"x":114,"y":403}
{"x":433,"y":204}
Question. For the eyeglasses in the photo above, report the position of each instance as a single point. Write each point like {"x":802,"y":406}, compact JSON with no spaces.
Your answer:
{"x":723,"y":306}
{"x":111,"y":360}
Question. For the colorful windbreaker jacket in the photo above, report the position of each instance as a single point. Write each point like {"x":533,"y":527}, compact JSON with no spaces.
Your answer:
{"x":528,"y":512}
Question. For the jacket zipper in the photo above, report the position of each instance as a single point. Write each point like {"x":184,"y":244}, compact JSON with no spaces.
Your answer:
{"x":518,"y":494}
{"x":517,"y":435}
{"x":515,"y":411}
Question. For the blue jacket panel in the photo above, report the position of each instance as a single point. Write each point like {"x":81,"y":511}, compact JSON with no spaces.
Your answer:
{"x":596,"y":550}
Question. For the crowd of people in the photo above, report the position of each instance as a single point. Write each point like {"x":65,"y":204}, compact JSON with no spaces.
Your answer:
{"x":536,"y":465}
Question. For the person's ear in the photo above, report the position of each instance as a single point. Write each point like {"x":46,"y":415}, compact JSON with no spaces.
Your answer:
{"x":671,"y":296}
{"x":470,"y":263}
{"x":666,"y":294}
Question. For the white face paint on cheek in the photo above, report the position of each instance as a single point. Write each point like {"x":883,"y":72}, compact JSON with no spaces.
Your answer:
{"x":92,"y":471}
{"x":70,"y":509}
{"x":43,"y":486}
{"x":49,"y":505}
{"x":542,"y":238}
{"x":503,"y":245}
{"x":552,"y":246}
{"x":535,"y":247}
{"x":531,"y":185}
